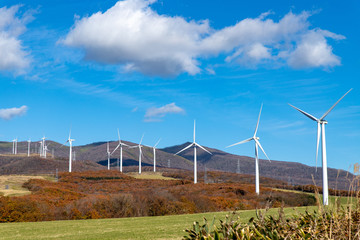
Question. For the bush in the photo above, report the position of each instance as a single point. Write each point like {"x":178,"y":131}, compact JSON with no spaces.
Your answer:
{"x":325,"y":223}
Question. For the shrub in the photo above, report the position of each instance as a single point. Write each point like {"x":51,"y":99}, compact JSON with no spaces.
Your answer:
{"x":326,"y":223}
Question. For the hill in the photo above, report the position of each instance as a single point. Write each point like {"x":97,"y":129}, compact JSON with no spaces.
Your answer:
{"x":93,"y":157}
{"x":291,"y":172}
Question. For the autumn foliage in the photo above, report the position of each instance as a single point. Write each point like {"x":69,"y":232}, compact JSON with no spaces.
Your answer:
{"x":110,"y":194}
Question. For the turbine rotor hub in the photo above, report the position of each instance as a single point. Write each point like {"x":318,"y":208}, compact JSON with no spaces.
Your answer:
{"x":323,"y":122}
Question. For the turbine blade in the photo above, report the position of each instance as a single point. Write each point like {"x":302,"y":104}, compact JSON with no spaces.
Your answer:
{"x":134,"y":146}
{"x":317,"y":145}
{"x":70,"y":133}
{"x":257,"y":125}
{"x":328,"y":111}
{"x":244,"y":141}
{"x":115,"y":149}
{"x":119,"y":135}
{"x":202,"y":148}
{"x":61,"y":144}
{"x":184,"y":149}
{"x":305,"y":113}
{"x":194,"y":130}
{"x":258,"y":143}
{"x":141,"y":138}
{"x":124,"y":144}
{"x":157,"y":143}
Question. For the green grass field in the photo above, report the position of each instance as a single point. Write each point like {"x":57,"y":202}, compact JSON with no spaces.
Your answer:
{"x":162,"y":227}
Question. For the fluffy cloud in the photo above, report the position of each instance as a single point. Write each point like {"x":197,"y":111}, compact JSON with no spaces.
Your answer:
{"x":9,"y":113}
{"x":13,"y":55}
{"x":133,"y":35}
{"x":155,"y":114}
{"x":313,"y":51}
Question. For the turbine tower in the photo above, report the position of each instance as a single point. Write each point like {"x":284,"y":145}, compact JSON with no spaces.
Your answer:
{"x":257,"y":146}
{"x":321,"y":133}
{"x":140,"y":152}
{"x":40,"y":148}
{"x":154,"y":151}
{"x":29,"y":142}
{"x":108,"y":155}
{"x":121,"y":144}
{"x":194,"y":144}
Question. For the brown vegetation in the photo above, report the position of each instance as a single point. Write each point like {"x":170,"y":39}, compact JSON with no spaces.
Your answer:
{"x":109,"y":194}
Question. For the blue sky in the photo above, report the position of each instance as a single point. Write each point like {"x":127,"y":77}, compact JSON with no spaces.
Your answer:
{"x":154,"y":66}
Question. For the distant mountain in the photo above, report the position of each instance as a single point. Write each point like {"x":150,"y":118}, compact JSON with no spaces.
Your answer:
{"x":290,"y":172}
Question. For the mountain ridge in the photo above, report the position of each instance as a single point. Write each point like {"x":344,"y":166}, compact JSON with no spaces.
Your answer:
{"x":290,"y":172}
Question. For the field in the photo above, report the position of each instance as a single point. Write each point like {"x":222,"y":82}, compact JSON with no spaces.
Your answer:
{"x":159,"y":227}
{"x":149,"y":175}
{"x":11,"y":185}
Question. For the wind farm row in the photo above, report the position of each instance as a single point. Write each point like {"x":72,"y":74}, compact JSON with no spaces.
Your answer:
{"x":44,"y":148}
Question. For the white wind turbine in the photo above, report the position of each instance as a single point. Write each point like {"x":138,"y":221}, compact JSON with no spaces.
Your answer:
{"x":195,"y":144}
{"x":321,"y":132}
{"x":140,"y":152}
{"x":154,"y":151}
{"x":46,"y":150}
{"x":29,"y":142}
{"x":121,"y":144}
{"x":43,"y":153}
{"x":15,"y":146}
{"x":69,"y":140}
{"x":257,"y":145}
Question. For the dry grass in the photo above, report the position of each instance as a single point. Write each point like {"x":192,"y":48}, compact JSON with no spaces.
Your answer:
{"x":149,"y":175}
{"x":14,"y":184}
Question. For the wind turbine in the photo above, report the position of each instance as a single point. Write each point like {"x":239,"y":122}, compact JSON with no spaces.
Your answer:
{"x":257,"y":146}
{"x":321,"y":132}
{"x":195,"y":144}
{"x":121,"y":144}
{"x":46,"y":150}
{"x":14,"y":149}
{"x":69,"y":140}
{"x":154,"y":151}
{"x":42,"y":153}
{"x":29,"y":141}
{"x":140,"y":152}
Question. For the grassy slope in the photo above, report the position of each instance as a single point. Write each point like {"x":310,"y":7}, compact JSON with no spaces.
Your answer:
{"x":15,"y":182}
{"x":149,"y":175}
{"x":162,"y":227}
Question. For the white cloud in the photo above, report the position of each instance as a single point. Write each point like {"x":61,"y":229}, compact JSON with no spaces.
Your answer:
{"x":155,"y":114}
{"x":12,"y":52}
{"x":9,"y":113}
{"x":313,"y":51}
{"x":133,"y":35}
